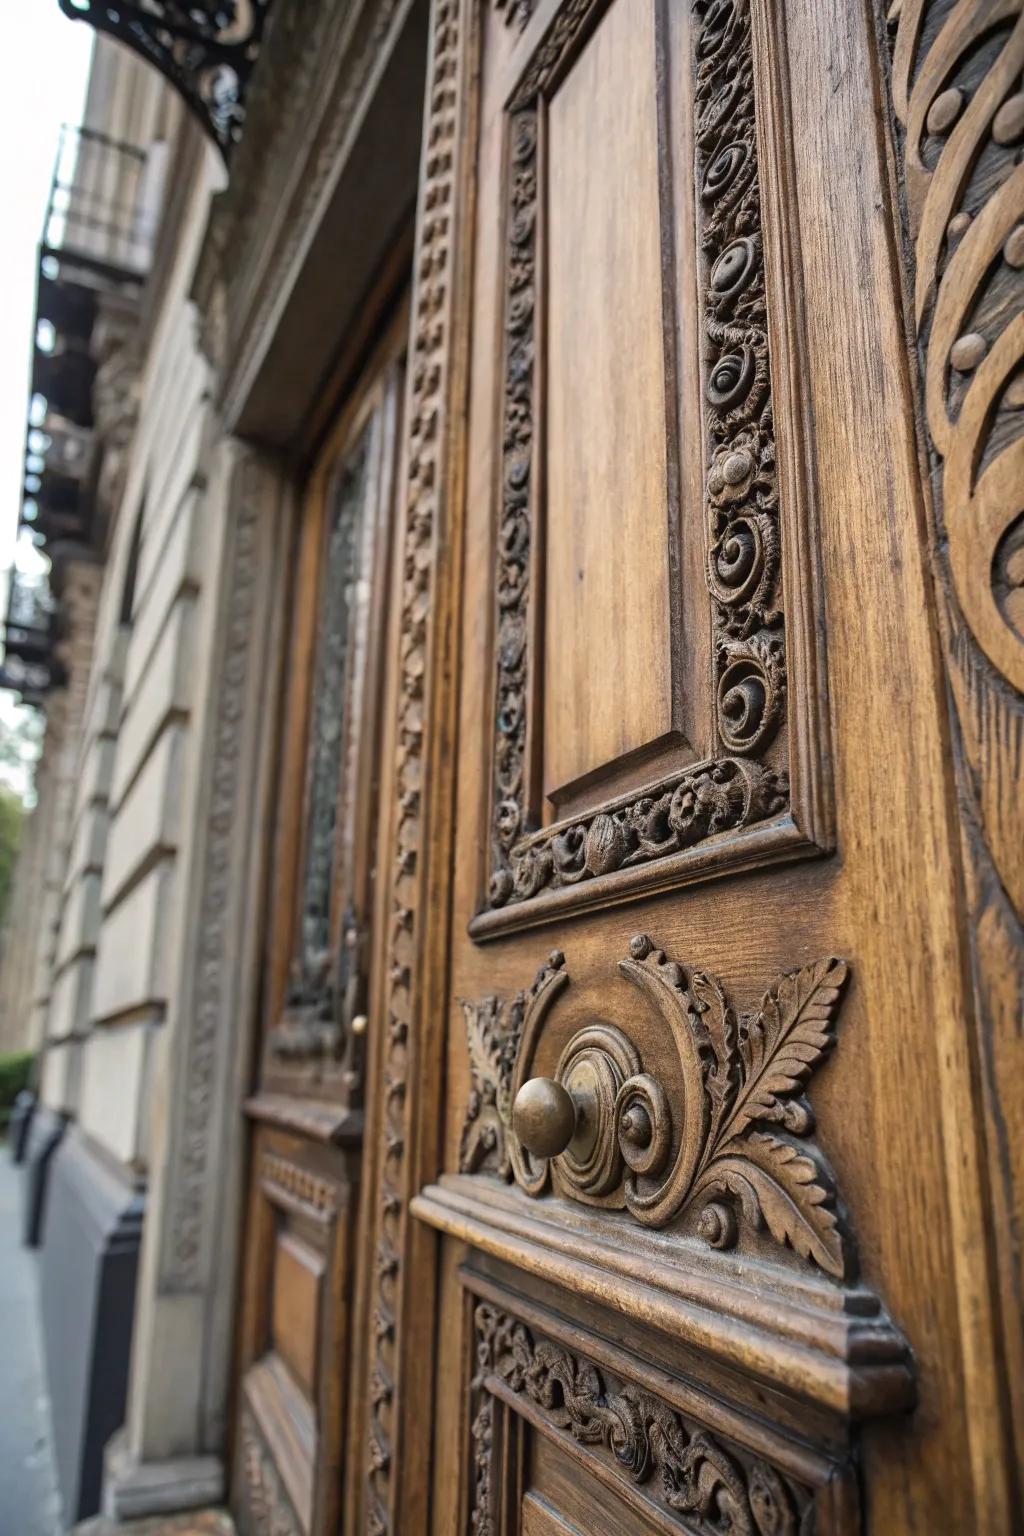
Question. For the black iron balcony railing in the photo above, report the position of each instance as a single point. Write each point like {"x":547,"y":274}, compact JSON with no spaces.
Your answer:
{"x":97,"y":241}
{"x":207,"y":49}
{"x":31,"y":630}
{"x":96,"y":247}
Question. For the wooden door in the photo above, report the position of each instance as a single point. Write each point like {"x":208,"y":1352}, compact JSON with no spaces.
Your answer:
{"x":716,"y":1252}
{"x":307,"y":1111}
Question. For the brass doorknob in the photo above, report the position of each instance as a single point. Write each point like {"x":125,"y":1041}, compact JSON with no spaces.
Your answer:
{"x":544,"y":1117}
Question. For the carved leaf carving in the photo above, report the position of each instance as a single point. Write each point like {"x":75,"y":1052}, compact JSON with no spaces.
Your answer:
{"x":784,"y":1185}
{"x":696,"y":1154}
{"x":781,"y":1045}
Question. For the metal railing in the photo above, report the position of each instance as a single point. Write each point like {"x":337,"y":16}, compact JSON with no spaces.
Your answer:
{"x":101,"y":213}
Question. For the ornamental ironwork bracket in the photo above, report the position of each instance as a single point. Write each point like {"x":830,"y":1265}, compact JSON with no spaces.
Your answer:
{"x":206,"y":50}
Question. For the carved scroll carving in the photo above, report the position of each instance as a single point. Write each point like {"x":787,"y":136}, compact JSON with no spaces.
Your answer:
{"x":957,"y":93}
{"x":494,"y":1030}
{"x":741,"y":1128}
{"x":709,"y":1485}
{"x":742,"y":491}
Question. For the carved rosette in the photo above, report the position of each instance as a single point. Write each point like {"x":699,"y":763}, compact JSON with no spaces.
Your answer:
{"x":730,"y":1148}
{"x":741,"y":485}
{"x":707,"y":1484}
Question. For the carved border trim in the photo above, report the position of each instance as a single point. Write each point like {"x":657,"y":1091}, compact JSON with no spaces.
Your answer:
{"x":189,"y":1193}
{"x":742,"y":498}
{"x":695,"y":1477}
{"x":433,"y":373}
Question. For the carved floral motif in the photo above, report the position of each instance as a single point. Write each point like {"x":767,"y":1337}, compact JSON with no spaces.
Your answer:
{"x":741,"y":1127}
{"x":709,"y":1486}
{"x":741,"y":477}
{"x":694,"y":804}
{"x":742,"y":493}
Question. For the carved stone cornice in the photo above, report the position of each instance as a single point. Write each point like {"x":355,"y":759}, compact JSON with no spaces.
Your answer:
{"x":300,"y":113}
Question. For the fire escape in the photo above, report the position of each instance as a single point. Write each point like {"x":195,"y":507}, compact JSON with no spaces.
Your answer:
{"x":93,"y":259}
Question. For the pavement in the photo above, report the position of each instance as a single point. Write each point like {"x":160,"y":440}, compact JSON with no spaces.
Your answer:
{"x":29,"y":1502}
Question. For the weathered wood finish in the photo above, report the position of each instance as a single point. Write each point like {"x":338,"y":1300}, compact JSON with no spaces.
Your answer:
{"x":958,"y":103}
{"x":720,"y":1358}
{"x":686,"y":784}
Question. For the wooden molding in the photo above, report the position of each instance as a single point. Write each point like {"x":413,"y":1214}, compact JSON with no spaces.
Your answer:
{"x":824,"y":1345}
{"x":768,"y":795}
{"x":633,"y":1430}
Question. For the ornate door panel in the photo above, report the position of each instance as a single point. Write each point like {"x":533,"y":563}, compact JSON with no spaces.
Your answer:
{"x":307,"y":1110}
{"x":712,"y":1209}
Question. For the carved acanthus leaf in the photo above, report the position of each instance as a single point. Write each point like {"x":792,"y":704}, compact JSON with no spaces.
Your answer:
{"x":493,"y":1031}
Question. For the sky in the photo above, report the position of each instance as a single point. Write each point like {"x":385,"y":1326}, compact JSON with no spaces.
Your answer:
{"x":44,"y":64}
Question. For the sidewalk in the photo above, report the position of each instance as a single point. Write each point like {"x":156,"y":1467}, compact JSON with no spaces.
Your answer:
{"x":29,"y":1504}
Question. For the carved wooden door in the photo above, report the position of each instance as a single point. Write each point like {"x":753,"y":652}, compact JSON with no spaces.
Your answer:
{"x":307,"y":1110}
{"x":711,"y":1198}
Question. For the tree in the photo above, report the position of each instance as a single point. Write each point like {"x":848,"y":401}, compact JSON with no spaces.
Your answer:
{"x":21,"y":737}
{"x":12,"y":814}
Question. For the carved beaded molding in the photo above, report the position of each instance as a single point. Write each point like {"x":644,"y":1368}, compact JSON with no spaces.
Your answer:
{"x":429,"y":371}
{"x":744,"y":542}
{"x":730,"y":1148}
{"x":294,"y":1185}
{"x":708,"y":1484}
